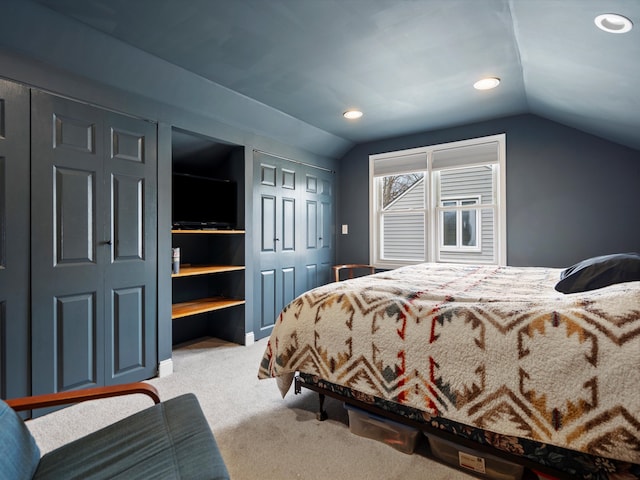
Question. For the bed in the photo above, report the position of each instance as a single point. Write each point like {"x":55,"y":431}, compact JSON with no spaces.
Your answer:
{"x":493,"y":356}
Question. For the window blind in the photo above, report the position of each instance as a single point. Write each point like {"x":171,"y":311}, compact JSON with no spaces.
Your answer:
{"x":401,"y":164}
{"x":482,"y":153}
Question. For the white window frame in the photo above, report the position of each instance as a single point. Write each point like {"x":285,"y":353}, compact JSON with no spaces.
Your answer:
{"x":432,"y":220}
{"x":476,"y":207}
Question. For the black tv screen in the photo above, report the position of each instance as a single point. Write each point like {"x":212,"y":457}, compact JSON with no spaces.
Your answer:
{"x":203,"y":202}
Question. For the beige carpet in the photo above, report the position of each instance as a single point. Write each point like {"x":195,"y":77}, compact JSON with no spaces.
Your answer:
{"x":261,"y":436}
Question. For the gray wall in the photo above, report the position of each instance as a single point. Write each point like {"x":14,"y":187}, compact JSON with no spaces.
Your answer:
{"x":570,"y":195}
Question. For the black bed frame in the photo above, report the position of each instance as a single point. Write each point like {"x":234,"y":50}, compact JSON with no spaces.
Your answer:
{"x":321,"y":415}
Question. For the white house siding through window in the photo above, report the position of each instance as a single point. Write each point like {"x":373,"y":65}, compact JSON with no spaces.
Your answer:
{"x":460,"y":190}
{"x":442,"y":203}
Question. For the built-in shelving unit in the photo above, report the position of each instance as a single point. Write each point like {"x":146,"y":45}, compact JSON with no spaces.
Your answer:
{"x":208,"y":296}
{"x":204,"y":304}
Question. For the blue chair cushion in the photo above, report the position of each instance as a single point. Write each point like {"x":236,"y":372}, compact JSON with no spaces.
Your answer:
{"x":169,"y":440}
{"x":19,"y":453}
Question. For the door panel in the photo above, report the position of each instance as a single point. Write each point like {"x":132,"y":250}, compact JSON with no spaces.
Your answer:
{"x":67,"y":273}
{"x":312,"y":183}
{"x":267,"y":300}
{"x":128,"y":209}
{"x":312,"y":276}
{"x":312,"y":225}
{"x":74,"y":203}
{"x":130,"y":273}
{"x":288,"y":224}
{"x":74,"y":133}
{"x":268,"y":223}
{"x":129,"y":331}
{"x":288,"y":178}
{"x":320,"y":229}
{"x":129,"y":146}
{"x":288,"y":285}
{"x":325,"y":224}
{"x":75,"y":325}
{"x":14,"y":245}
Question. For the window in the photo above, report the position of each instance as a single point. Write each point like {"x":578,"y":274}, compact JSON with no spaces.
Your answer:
{"x":459,"y":224}
{"x":443,"y":203}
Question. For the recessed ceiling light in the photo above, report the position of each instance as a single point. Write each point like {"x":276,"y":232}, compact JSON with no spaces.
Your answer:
{"x":486,"y":83}
{"x":613,"y":23}
{"x":352,"y":114}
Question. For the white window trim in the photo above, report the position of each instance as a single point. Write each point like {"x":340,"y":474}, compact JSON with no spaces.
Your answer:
{"x":431,"y":217}
{"x":458,"y":209}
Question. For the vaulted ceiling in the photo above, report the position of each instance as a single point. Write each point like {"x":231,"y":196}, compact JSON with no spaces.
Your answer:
{"x":409,"y":65}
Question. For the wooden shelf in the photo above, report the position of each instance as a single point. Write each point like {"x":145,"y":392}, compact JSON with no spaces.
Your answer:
{"x":209,"y":231}
{"x":191,"y":270}
{"x":202,"y":305}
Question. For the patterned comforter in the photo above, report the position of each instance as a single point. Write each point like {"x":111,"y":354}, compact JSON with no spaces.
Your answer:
{"x":490,"y":347}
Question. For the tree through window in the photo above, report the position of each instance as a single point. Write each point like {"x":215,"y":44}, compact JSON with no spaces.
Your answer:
{"x":394,"y":186}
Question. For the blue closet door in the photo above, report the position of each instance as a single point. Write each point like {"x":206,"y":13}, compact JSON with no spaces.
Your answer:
{"x":93,"y":234}
{"x":294,"y":234}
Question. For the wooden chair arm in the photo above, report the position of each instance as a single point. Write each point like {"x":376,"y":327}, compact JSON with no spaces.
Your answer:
{"x":75,"y":396}
{"x":350,"y":267}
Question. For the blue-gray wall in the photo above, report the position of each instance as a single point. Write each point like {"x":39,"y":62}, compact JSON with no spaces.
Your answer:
{"x":570,"y":195}
{"x":43,"y":49}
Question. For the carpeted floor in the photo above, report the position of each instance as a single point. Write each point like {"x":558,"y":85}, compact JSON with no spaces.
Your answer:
{"x":261,"y":435}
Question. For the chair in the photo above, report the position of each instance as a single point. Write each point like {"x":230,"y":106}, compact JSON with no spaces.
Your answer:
{"x":352,"y":269}
{"x":170,"y":439}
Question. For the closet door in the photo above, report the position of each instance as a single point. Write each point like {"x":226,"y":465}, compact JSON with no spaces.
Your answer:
{"x":277,"y":184}
{"x":318,"y":228}
{"x":131,"y":265}
{"x":93,"y":246}
{"x":14,"y":240}
{"x":295,"y":234}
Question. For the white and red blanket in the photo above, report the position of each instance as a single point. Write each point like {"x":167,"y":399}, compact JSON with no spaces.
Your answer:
{"x":492,"y":347}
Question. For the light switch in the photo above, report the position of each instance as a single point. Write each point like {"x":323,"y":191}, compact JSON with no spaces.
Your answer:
{"x":345,"y":229}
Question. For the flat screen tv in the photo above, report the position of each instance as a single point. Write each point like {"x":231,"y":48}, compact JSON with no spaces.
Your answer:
{"x":203,"y":202}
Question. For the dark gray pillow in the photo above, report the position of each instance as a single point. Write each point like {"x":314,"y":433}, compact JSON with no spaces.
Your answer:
{"x":598,"y":272}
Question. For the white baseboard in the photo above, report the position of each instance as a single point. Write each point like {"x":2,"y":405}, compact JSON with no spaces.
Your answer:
{"x":249,"y":339}
{"x":165,"y":368}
